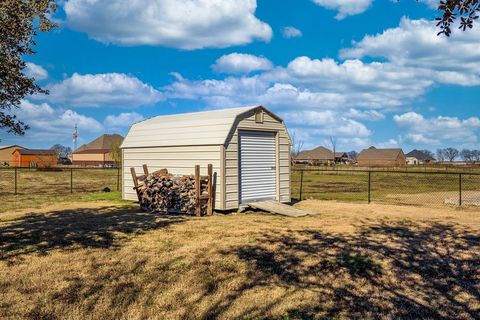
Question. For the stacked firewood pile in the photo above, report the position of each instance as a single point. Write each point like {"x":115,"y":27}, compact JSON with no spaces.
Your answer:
{"x":162,"y":191}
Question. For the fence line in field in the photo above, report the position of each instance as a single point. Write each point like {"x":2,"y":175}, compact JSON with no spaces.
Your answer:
{"x":400,"y":186}
{"x":66,"y":179}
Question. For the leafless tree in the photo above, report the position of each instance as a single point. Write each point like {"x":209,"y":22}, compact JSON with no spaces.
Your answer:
{"x":467,"y":155}
{"x":451,"y":153}
{"x":440,"y":155}
{"x":353,"y":155}
{"x":427,"y":153}
{"x":476,"y":155}
{"x":333,"y":143}
{"x":297,"y":145}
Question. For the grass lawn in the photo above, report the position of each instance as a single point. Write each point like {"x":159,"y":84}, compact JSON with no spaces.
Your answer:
{"x":108,"y":260}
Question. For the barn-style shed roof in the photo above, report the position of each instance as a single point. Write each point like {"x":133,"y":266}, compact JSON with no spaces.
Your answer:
{"x":187,"y":129}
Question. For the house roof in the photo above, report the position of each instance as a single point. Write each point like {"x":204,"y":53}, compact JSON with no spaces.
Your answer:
{"x":36,"y":151}
{"x":93,"y":151}
{"x":187,"y":129}
{"x":373,"y":153}
{"x":319,"y":153}
{"x":11,"y":146}
{"x":418,"y":154}
{"x":105,"y":141}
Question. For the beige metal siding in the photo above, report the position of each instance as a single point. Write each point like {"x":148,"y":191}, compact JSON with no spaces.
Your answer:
{"x":178,"y":160}
{"x":189,"y":129}
{"x":231,"y":158}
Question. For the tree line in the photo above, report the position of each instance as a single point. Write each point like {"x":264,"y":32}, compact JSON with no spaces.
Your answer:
{"x":452,"y":154}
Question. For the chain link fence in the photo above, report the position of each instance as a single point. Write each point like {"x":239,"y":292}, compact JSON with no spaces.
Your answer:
{"x":391,"y":187}
{"x":58,"y":181}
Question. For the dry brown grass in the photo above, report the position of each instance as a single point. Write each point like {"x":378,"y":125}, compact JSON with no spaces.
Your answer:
{"x":104,"y":260}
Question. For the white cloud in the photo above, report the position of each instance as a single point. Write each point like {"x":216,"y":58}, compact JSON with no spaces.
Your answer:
{"x":241,"y":63}
{"x":310,"y":83}
{"x":439,"y":130}
{"x":35,"y":71}
{"x":371,"y":115}
{"x":432,"y":4}
{"x":415,"y":44}
{"x":291,"y":32}
{"x":345,"y":8}
{"x":49,"y":125}
{"x":180,"y":24}
{"x":109,"y":89}
{"x":316,"y":126}
{"x":122,"y":120}
{"x":390,"y":143}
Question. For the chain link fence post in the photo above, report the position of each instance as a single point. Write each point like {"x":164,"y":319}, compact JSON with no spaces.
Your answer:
{"x":71,"y":180}
{"x":15,"y":180}
{"x":118,"y":178}
{"x":460,"y":189}
{"x":301,"y":184}
{"x":369,"y":185}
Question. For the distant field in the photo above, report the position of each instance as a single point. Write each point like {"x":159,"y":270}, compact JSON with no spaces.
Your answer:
{"x":414,"y":188}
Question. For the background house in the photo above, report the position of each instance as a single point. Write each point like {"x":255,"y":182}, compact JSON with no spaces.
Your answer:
{"x":373,"y":157}
{"x":97,"y":152}
{"x":39,"y":158}
{"x":6,"y":153}
{"x":416,"y":157}
{"x":321,"y":155}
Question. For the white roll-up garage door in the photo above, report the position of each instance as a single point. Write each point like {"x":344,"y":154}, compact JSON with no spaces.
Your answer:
{"x":258,"y":178}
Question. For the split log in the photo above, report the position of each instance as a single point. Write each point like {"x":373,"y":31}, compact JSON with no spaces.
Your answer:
{"x":161,"y":191}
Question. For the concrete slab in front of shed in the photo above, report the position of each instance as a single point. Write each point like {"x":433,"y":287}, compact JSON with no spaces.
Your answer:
{"x":279,"y":208}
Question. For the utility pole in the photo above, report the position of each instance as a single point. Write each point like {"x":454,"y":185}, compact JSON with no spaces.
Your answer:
{"x":74,"y":137}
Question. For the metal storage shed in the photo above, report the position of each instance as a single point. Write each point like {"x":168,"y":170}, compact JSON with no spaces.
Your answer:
{"x":249,"y":148}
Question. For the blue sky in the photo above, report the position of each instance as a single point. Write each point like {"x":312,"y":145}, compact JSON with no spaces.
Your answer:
{"x":366,"y":72}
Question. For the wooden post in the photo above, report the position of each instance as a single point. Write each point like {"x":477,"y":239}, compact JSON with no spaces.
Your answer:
{"x":145,"y":170}
{"x":210,"y":190}
{"x":71,"y":180}
{"x":135,"y":183}
{"x":197,"y":191}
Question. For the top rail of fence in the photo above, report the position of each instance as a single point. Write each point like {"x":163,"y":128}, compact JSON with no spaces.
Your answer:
{"x":395,"y":171}
{"x":59,"y":168}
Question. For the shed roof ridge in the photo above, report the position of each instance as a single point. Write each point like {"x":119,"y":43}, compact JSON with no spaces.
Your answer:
{"x":195,"y":113}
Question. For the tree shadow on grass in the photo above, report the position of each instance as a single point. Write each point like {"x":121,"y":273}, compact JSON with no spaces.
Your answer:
{"x":388,"y":270}
{"x":101,"y":227}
